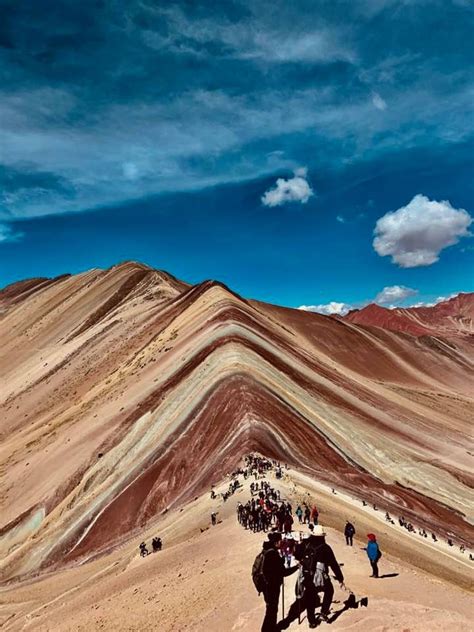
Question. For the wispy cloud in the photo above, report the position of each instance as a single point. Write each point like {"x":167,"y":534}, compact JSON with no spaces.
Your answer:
{"x":378,"y":102}
{"x":257,"y":37}
{"x":136,"y":99}
{"x":8,"y":233}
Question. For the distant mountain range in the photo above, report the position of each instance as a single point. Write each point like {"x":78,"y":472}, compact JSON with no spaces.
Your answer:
{"x":453,"y":317}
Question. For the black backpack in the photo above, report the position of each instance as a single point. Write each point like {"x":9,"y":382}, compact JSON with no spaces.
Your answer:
{"x":257,"y":572}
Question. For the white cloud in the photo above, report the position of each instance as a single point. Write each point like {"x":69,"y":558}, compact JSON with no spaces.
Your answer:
{"x":415,"y":234}
{"x":329,"y":308}
{"x":440,"y":299}
{"x":340,"y":219}
{"x":378,"y":102}
{"x":394,"y":294}
{"x":296,"y":189}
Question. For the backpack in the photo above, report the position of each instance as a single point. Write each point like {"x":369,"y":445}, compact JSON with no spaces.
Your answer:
{"x":257,"y":572}
{"x":318,"y":570}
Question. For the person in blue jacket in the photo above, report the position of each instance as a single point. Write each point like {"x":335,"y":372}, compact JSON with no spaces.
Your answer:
{"x":373,"y":553}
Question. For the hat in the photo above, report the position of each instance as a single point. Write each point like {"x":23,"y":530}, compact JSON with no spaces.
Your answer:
{"x":274,"y":536}
{"x":318,"y":530}
{"x":371,"y":536}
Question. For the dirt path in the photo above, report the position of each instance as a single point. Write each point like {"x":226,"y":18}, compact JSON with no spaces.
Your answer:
{"x":201,"y":580}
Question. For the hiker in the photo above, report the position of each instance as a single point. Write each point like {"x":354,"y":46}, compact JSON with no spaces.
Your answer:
{"x":349,"y":532}
{"x":268,"y":578}
{"x":373,"y":553}
{"x":315,"y":557}
{"x":287,"y":523}
{"x":156,"y":544}
{"x":213,"y":518}
{"x":299,"y":514}
{"x":307,"y":514}
{"x":314,"y":515}
{"x":143,"y":550}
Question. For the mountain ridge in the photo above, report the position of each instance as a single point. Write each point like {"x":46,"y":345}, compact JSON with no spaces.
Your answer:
{"x":165,"y":376}
{"x":452,"y":317}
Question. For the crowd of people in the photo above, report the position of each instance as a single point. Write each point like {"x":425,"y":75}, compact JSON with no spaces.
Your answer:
{"x":265,"y":509}
{"x":421,"y":531}
{"x":313,"y":559}
{"x":286,"y":552}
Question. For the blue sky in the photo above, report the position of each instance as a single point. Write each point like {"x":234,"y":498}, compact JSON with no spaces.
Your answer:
{"x":259,"y":143}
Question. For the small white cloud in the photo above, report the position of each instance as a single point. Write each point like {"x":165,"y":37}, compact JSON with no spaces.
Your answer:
{"x":130,"y":171}
{"x":296,"y":189}
{"x":394,"y":294}
{"x":8,"y":234}
{"x":378,"y":102}
{"x":415,"y":234}
{"x":340,"y":219}
{"x":422,"y":304}
{"x":329,"y":308}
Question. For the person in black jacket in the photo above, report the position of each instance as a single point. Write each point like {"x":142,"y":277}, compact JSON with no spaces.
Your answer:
{"x":309,"y":553}
{"x":273,"y":571}
{"x":349,"y":532}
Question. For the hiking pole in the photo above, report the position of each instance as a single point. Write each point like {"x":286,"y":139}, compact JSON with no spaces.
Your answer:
{"x":283,"y":599}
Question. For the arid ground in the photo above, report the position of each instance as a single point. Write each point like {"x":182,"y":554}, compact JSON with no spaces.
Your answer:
{"x":201,"y":580}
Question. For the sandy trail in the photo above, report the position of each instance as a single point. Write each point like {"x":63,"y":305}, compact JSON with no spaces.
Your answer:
{"x":201,"y":580}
